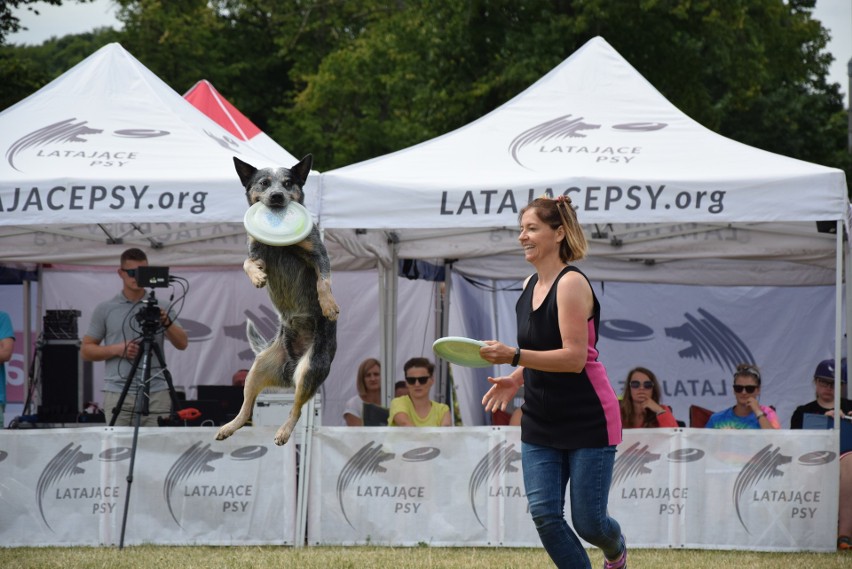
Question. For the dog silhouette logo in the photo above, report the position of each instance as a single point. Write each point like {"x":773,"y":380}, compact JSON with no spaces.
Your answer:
{"x":367,"y":461}
{"x":75,"y":133}
{"x":710,"y":339}
{"x":194,"y":461}
{"x":633,"y":462}
{"x":765,"y":464}
{"x":64,"y":465}
{"x":497,"y":461}
{"x":566,"y":126}
{"x":58,"y":132}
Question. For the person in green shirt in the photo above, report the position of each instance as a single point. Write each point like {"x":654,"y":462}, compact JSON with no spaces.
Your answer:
{"x":416,"y":409}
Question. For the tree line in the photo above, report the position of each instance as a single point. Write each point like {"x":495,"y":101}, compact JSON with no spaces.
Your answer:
{"x":348,"y":80}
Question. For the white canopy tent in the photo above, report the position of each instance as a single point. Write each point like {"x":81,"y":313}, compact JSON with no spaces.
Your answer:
{"x":107,"y":153}
{"x":665,"y":200}
{"x":106,"y":157}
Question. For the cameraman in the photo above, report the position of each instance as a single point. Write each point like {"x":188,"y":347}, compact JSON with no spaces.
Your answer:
{"x":114,"y":323}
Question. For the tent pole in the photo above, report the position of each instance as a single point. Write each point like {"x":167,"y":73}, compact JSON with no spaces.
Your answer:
{"x":847,"y":255}
{"x":39,"y":327}
{"x":387,"y":319}
{"x":383,"y":332}
{"x":838,"y":319}
{"x":303,"y":484}
{"x":28,"y":326}
{"x":393,"y":293}
{"x":443,"y":325}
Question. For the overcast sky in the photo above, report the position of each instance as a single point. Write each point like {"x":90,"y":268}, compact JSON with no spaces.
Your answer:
{"x":73,"y":18}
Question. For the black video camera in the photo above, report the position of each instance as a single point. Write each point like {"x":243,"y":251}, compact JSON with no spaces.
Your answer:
{"x":150,"y":312}
{"x":150,"y":277}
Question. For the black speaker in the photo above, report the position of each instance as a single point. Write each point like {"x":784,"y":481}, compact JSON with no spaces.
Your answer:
{"x":827,"y":227}
{"x":62,"y":385}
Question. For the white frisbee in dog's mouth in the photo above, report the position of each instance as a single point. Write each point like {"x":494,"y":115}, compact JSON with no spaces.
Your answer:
{"x":281,"y":226}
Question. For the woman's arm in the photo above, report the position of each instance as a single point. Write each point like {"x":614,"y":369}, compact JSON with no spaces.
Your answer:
{"x":665,"y":417}
{"x":575,"y":302}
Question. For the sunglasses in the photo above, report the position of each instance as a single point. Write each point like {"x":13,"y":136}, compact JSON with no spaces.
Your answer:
{"x":638,"y":384}
{"x":130,"y":273}
{"x":825,"y":382}
{"x":747,"y":388}
{"x":421,"y":379}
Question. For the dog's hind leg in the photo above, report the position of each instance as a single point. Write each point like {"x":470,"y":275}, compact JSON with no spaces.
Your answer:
{"x":302,"y":393}
{"x":264,"y":373}
{"x":310,"y":372}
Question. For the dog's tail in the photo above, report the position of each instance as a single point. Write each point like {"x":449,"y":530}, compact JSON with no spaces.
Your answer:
{"x":257,"y":342}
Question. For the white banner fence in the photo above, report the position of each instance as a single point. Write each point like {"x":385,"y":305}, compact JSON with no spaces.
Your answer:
{"x":680,"y":488}
{"x":69,"y":486}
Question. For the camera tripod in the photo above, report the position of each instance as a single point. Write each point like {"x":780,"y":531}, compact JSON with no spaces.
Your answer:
{"x":149,"y":317}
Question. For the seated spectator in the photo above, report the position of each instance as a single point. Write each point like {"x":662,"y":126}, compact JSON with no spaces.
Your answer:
{"x":824,"y":405}
{"x":824,"y":402}
{"x":239,"y":378}
{"x":640,"y":402}
{"x":416,"y":409}
{"x":747,"y":413}
{"x":368,"y":381}
{"x":400,"y":388}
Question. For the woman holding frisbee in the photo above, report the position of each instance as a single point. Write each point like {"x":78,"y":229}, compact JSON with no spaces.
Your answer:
{"x":571,"y":422}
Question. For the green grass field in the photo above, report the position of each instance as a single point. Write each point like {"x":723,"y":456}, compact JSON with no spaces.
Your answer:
{"x":389,"y":558}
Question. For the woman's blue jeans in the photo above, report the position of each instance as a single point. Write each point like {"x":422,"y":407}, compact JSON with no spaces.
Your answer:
{"x":547,"y":472}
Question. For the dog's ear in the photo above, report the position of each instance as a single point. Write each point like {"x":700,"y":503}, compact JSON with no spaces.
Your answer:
{"x":301,"y":170}
{"x":244,"y":170}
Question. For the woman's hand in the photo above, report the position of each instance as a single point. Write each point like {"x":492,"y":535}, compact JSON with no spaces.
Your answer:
{"x":496,"y":352}
{"x":651,"y":405}
{"x":754,"y":405}
{"x":502,"y":391}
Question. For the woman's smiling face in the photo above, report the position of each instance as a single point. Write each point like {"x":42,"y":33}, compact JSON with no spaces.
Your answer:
{"x":537,"y":238}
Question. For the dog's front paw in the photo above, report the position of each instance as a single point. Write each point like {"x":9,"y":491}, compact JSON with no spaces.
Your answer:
{"x":329,"y":308}
{"x":255,"y":269}
{"x":258,"y":278}
{"x":326,"y":300}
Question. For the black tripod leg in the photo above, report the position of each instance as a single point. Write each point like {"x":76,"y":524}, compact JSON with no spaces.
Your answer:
{"x":117,"y":409}
{"x":168,"y":376}
{"x":140,"y":408}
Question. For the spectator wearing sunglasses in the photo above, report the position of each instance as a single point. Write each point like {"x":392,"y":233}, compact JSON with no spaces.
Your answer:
{"x":748,"y":413}
{"x":114,"y":337}
{"x":824,"y":405}
{"x":640,"y":402}
{"x":416,"y":409}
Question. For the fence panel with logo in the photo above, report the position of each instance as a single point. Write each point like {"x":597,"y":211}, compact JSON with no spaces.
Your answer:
{"x":68,"y":487}
{"x":753,"y":490}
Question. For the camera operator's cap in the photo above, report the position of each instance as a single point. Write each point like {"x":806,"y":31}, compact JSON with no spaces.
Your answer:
{"x":278,"y":226}
{"x":825,"y":370}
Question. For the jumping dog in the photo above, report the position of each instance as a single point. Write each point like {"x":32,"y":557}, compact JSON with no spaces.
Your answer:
{"x":298,"y":279}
